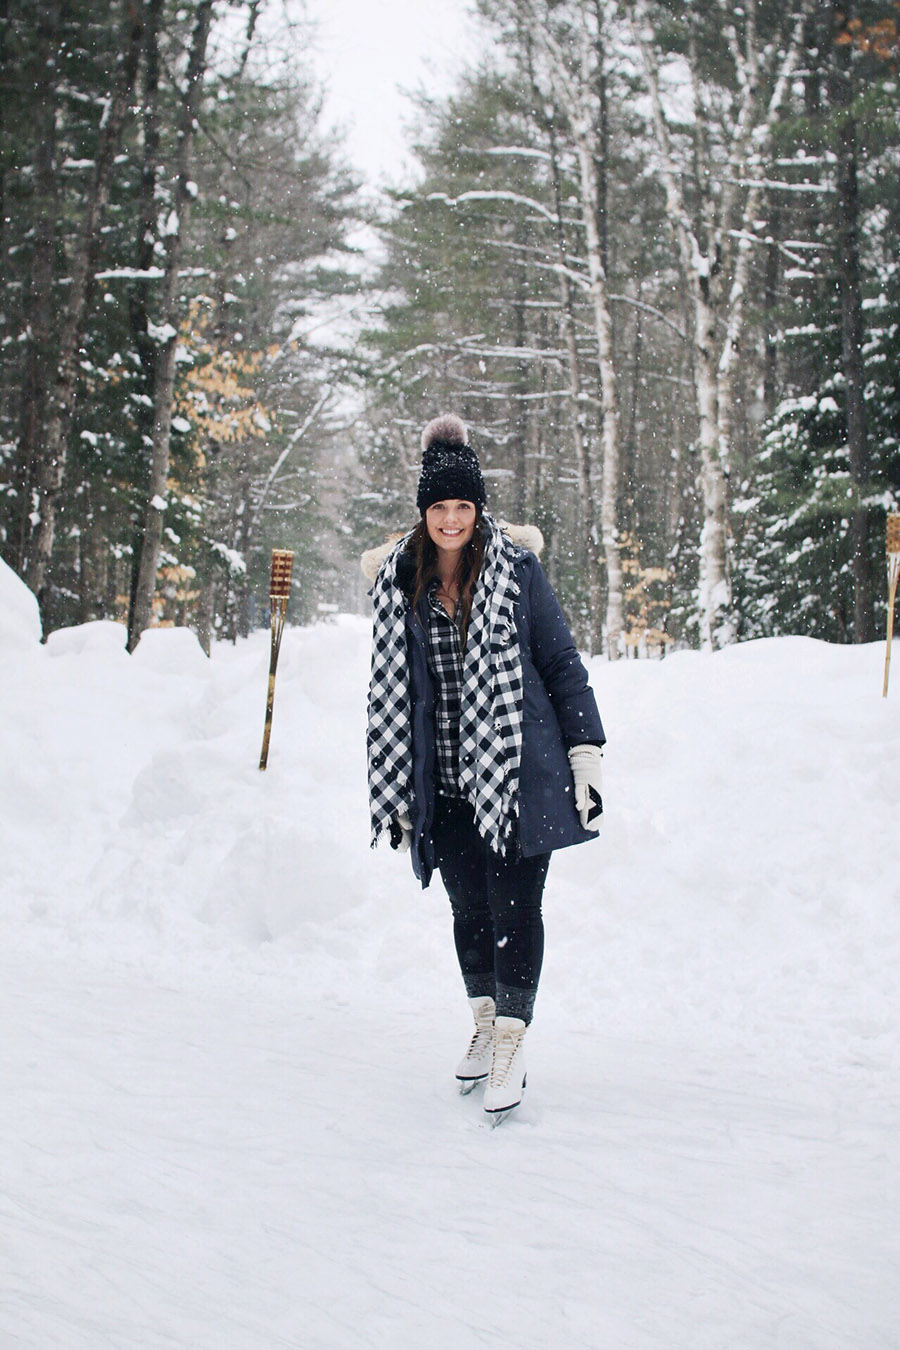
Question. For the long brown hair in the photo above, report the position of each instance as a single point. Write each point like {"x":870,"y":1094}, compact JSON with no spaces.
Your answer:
{"x":425,"y":553}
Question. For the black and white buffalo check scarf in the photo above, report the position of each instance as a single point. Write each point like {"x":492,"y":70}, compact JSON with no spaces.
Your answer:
{"x":490,"y":739}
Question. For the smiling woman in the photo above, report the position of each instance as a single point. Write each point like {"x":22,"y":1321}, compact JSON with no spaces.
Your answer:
{"x":484,"y":742}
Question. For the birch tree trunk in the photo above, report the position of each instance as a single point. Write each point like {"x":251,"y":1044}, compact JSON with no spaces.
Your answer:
{"x":579,"y":441}
{"x":520,"y":387}
{"x":52,"y":461}
{"x":751,"y":142}
{"x":715,"y":586}
{"x":577,"y":95}
{"x":609,"y":402}
{"x":164,"y":373}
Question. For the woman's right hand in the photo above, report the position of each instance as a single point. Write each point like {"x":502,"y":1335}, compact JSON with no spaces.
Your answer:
{"x":401,"y":832}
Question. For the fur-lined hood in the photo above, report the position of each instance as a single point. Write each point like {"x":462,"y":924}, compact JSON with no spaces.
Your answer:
{"x":523,"y":536}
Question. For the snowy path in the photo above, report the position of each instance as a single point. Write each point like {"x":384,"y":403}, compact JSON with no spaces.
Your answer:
{"x":182,"y":1174}
{"x":228,"y":1030}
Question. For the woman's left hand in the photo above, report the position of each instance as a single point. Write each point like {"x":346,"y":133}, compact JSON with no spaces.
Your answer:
{"x":586,"y":770}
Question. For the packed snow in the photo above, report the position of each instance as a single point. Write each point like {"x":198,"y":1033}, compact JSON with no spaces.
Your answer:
{"x":230,"y":1028}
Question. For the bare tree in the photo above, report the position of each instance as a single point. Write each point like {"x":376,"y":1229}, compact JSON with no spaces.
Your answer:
{"x":715,"y":243}
{"x":579,"y":434}
{"x":578,"y":87}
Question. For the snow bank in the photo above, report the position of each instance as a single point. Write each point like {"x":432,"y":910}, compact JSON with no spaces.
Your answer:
{"x":102,"y":636}
{"x":20,"y":620}
{"x":749,"y":866}
{"x":744,"y":889}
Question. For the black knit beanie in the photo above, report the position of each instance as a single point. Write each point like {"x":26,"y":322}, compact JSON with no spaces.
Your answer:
{"x":450,"y":467}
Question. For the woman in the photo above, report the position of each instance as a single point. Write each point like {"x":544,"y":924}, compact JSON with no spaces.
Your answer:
{"x":484,"y":740}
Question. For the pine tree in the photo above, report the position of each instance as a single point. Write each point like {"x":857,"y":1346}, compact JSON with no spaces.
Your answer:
{"x":812,"y":538}
{"x":91,"y":198}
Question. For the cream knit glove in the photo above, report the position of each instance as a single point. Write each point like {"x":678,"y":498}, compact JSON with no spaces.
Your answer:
{"x":401,"y":832}
{"x":586,"y":771}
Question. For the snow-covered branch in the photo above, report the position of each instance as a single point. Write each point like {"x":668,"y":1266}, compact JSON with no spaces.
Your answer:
{"x":516,"y":353}
{"x":559,"y":269}
{"x":494,"y":195}
{"x":511,"y":151}
{"x":774,"y":185}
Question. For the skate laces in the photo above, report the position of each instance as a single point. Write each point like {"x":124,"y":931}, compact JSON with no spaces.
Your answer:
{"x":480,"y":1042}
{"x":506,"y":1043}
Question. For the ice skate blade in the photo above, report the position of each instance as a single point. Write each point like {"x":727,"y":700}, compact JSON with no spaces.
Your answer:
{"x":496,"y":1118}
{"x":467,"y":1085}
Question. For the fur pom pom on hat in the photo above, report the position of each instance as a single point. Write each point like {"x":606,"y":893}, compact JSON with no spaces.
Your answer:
{"x":450,"y":466}
{"x":447,"y":428}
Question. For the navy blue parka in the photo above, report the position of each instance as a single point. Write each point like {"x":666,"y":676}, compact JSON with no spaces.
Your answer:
{"x":559,"y":711}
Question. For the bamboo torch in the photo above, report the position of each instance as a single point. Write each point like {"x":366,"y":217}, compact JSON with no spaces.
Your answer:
{"x":279,"y":594}
{"x":893,"y":573}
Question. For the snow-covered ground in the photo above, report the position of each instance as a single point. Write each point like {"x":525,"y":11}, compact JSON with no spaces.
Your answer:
{"x":229,"y":1029}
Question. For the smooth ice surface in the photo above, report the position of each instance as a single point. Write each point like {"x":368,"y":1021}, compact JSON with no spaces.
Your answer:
{"x":229,"y":1029}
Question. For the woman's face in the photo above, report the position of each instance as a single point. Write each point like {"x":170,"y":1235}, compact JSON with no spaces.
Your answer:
{"x":451,"y":524}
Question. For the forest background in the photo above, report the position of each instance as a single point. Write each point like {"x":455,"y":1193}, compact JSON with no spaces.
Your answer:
{"x":649,"y":253}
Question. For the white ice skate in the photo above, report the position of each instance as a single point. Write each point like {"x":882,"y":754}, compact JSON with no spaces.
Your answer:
{"x":506,"y":1082}
{"x":475,"y":1064}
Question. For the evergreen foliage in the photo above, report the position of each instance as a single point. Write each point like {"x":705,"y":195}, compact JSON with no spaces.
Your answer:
{"x":265,"y":251}
{"x":798,"y":560}
{"x":482,"y":299}
{"x":796,"y":547}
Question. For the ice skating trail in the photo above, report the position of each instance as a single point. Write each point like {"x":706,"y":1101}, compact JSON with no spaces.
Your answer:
{"x":229,"y":1029}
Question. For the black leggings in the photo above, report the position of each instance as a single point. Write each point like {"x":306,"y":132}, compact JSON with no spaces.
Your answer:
{"x":496,"y":901}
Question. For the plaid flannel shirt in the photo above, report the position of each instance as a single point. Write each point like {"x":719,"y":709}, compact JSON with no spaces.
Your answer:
{"x":445,"y":662}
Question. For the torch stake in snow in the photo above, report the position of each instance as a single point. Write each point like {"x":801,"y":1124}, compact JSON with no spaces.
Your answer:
{"x":279,"y":594}
{"x":893,"y":572}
